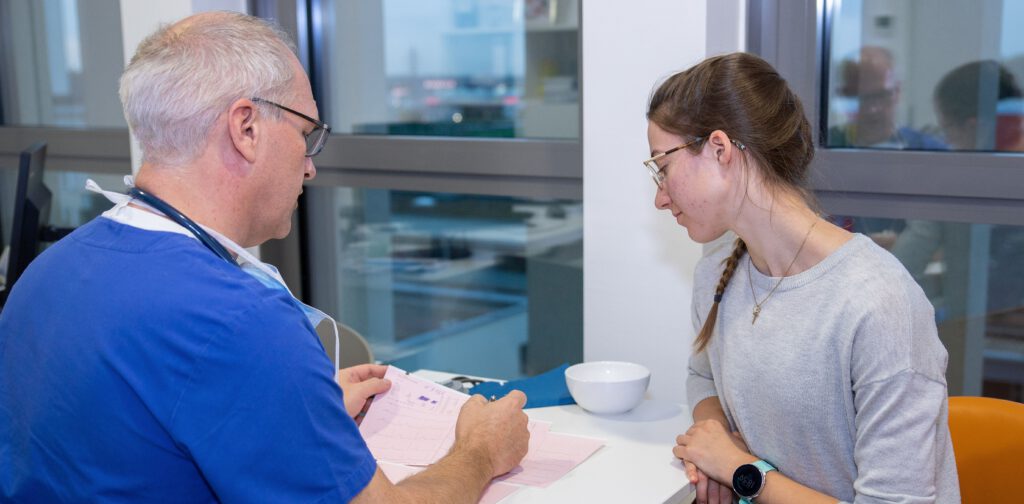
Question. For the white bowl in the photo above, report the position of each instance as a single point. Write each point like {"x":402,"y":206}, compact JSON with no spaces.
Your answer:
{"x":607,"y":387}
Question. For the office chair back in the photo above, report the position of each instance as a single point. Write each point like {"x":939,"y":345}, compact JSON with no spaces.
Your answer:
{"x":354,"y":348}
{"x":988,"y":442}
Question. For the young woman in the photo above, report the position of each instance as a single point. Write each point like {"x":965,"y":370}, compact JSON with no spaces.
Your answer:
{"x":817,"y":373}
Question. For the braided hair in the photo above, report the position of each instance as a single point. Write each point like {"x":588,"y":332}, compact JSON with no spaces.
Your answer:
{"x":730,"y":262}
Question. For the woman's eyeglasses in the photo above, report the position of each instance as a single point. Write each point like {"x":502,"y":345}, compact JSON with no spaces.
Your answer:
{"x":657,"y":173}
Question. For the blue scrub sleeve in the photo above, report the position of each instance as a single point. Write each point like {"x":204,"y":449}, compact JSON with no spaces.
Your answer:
{"x":263,"y":418}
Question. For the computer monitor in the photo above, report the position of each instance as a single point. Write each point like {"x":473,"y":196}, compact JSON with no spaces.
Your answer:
{"x":31,"y":211}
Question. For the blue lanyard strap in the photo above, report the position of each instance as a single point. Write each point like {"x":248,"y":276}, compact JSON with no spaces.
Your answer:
{"x":180,"y":218}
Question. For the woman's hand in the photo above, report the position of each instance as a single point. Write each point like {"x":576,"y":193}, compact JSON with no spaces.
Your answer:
{"x":709,"y":491}
{"x":713,"y":450}
{"x":359,"y":383}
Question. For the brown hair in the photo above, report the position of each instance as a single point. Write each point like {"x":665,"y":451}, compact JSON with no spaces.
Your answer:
{"x":742,"y":95}
{"x":960,"y":94}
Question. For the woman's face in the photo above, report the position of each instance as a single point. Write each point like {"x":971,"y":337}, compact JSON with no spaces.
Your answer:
{"x":695,"y":187}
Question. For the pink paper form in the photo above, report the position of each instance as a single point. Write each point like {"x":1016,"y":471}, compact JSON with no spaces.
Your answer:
{"x":413,"y":423}
{"x":494,"y":492}
{"x":549,"y":460}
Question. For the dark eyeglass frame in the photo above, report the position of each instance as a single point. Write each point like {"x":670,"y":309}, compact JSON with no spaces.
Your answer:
{"x":319,"y":133}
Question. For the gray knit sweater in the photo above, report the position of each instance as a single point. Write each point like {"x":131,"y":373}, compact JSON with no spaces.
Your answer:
{"x":841,"y":382}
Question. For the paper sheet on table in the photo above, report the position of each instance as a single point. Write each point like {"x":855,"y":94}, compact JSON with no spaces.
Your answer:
{"x":494,"y":492}
{"x":551,"y":458}
{"x":413,"y":423}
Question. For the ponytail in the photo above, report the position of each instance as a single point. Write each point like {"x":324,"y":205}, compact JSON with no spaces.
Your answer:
{"x":730,"y":267}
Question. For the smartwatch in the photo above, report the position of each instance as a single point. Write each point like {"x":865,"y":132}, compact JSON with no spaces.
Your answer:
{"x":749,"y":479}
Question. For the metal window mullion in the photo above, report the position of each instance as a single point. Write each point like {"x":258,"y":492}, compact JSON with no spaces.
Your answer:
{"x":523,"y":168}
{"x":923,"y":173}
{"x":102,"y":150}
{"x":485,"y":185}
{"x":932,"y":208}
{"x":461,"y":156}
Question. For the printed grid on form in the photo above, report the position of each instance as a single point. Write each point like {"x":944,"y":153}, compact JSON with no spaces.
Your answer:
{"x":413,"y":423}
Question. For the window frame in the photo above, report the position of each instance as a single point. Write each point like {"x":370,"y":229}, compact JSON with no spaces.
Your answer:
{"x":511,"y":167}
{"x":793,"y":36}
{"x":521,"y":167}
{"x":528,"y":168}
{"x":94,"y":150}
{"x":517,"y":167}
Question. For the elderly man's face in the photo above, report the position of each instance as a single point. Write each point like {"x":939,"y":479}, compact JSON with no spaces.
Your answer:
{"x":871,"y":81}
{"x":877,"y":101}
{"x":284,"y":166}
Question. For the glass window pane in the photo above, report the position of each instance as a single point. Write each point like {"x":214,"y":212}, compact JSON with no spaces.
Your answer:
{"x":483,"y":68}
{"x":921,"y":75}
{"x":974,"y":276}
{"x":61,"y":60}
{"x":480,"y":285}
{"x":70,"y":206}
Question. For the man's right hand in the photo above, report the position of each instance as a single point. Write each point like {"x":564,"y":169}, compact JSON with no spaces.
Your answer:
{"x":496,"y":430}
{"x":490,"y":440}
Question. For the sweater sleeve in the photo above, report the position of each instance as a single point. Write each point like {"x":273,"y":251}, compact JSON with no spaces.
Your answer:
{"x":896,"y":441}
{"x":899,"y":395}
{"x":700,"y":382}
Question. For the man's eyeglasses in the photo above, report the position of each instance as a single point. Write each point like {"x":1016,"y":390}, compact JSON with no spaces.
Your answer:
{"x":877,"y":99}
{"x":316,"y":138}
{"x":657,"y":173}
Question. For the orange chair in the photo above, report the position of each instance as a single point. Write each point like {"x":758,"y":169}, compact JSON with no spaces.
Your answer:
{"x":988,"y":442}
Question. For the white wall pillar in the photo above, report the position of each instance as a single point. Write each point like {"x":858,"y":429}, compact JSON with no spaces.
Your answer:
{"x":139,"y":19}
{"x":638,"y":263}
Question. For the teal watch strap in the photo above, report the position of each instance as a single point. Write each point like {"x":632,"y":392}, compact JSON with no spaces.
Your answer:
{"x":765,"y":468}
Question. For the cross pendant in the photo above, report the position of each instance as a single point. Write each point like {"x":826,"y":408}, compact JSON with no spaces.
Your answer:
{"x":757,"y":311}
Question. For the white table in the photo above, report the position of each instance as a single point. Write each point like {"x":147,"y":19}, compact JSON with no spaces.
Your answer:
{"x":635,"y":465}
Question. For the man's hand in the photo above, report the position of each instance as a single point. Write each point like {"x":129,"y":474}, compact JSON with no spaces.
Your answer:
{"x":496,"y":430}
{"x":359,"y":383}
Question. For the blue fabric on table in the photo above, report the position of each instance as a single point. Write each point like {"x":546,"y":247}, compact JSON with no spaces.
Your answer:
{"x":545,"y":389}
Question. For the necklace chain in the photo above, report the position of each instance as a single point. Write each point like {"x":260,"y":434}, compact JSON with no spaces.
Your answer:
{"x":750,"y":266}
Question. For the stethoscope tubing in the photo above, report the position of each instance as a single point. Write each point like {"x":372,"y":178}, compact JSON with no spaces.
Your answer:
{"x":183,"y":220}
{"x":215,"y":246}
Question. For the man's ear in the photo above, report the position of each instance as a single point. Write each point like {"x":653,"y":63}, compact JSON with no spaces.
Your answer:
{"x":244,"y":128}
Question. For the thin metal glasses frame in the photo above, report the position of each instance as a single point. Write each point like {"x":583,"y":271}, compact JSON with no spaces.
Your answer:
{"x":652,"y":164}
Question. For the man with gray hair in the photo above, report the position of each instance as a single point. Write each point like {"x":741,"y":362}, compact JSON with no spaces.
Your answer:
{"x":149,"y":357}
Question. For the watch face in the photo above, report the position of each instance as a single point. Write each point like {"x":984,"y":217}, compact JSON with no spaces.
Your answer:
{"x":746,"y":481}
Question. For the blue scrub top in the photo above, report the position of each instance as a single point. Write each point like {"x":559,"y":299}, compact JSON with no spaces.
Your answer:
{"x":137,"y":365}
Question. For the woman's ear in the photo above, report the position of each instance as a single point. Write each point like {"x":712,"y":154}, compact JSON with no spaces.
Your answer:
{"x":721,"y":146}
